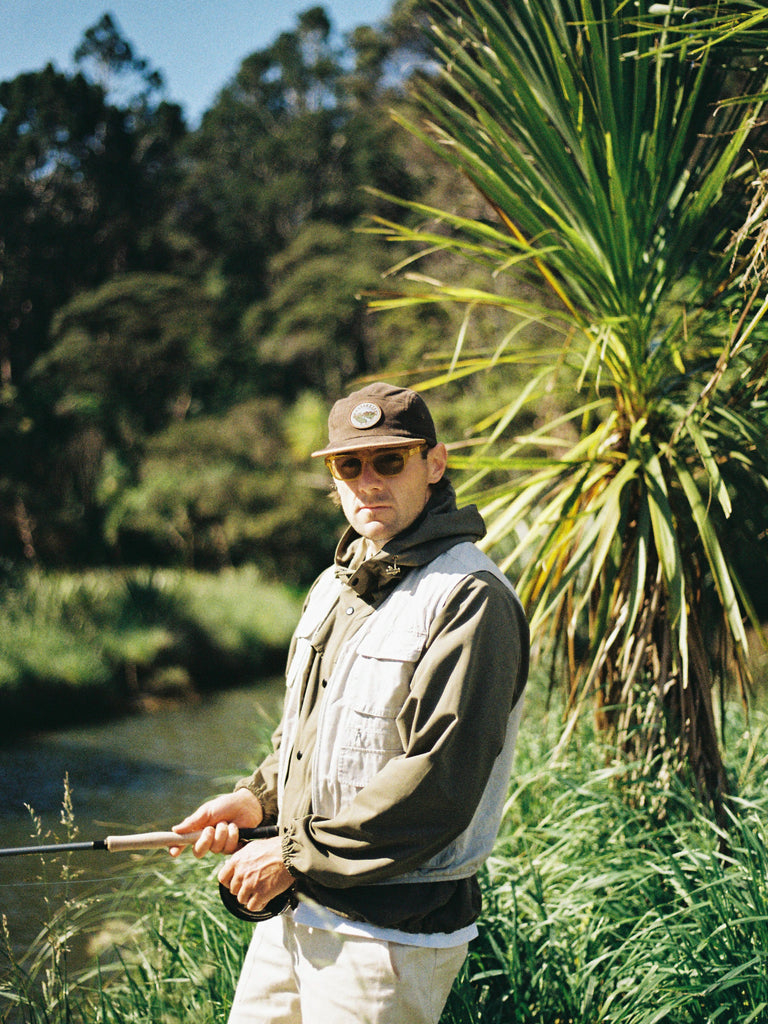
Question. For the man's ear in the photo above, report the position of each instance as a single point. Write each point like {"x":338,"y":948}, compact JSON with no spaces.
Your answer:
{"x":437,"y":463}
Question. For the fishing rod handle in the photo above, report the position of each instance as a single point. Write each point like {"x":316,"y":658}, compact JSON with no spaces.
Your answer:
{"x":139,"y":841}
{"x":164,"y":840}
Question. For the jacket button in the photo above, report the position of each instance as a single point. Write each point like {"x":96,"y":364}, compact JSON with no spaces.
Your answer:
{"x":299,"y":755}
{"x":349,"y":611}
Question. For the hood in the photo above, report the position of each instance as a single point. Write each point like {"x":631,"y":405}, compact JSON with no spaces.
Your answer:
{"x":439,"y":527}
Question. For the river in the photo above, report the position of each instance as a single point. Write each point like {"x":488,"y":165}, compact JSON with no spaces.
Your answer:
{"x":137,"y":774}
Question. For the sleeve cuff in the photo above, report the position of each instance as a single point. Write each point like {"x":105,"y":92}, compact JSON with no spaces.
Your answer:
{"x":289,"y":850}
{"x":263,"y":795}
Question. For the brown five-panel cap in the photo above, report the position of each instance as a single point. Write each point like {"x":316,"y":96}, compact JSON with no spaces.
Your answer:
{"x":376,"y":416}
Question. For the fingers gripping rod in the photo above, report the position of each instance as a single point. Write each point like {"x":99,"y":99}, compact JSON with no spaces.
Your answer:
{"x":166,"y":840}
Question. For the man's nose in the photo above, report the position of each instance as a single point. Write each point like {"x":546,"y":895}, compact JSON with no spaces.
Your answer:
{"x":369,"y":477}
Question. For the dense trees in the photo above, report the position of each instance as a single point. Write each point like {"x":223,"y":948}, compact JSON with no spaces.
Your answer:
{"x":178,"y":307}
{"x":83,"y":185}
{"x":164,"y":290}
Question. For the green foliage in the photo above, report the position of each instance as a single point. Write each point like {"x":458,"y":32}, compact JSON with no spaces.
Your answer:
{"x":79,"y":647}
{"x":614,"y":176}
{"x":738,"y":29}
{"x":158,"y":284}
{"x":599,"y":908}
{"x":311,"y":333}
{"x":124,"y":361}
{"x":608,"y":916}
{"x":80,"y":195}
{"x":287,"y":143}
{"x":224,"y":490}
{"x":112,"y":56}
{"x":127,"y":355}
{"x":150,"y":962}
{"x":602,"y":907}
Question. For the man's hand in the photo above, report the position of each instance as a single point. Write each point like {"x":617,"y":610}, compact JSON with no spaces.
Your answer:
{"x":219,"y":820}
{"x":256,"y":873}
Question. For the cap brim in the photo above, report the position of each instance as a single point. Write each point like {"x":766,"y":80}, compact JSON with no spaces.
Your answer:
{"x":375,"y":441}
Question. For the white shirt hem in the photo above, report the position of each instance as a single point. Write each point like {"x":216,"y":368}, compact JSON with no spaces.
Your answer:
{"x":313,"y":915}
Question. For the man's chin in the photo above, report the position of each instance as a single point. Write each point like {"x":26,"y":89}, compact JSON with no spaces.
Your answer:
{"x":375,"y":532}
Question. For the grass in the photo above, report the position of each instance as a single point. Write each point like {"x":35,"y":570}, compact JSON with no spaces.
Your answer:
{"x":613,"y":901}
{"x":80,"y":646}
{"x":607,"y":901}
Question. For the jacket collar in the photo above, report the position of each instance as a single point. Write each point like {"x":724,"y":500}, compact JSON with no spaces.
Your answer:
{"x":440,"y":526}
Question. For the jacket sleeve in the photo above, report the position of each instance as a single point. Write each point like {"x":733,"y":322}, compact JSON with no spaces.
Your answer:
{"x":453,"y":725}
{"x":263,"y":781}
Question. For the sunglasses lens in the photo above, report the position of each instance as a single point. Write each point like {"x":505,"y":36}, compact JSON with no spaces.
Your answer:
{"x":348,"y":469}
{"x":389,"y":463}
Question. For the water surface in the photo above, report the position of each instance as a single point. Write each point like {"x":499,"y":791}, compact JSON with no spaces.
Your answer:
{"x":138,"y":774}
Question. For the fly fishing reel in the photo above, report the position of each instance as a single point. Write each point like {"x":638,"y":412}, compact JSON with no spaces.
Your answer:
{"x":273,"y":908}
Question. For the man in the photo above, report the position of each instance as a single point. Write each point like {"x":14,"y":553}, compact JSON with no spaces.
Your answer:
{"x":391,"y":764}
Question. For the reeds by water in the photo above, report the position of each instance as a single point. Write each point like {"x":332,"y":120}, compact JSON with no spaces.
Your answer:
{"x":607,"y":901}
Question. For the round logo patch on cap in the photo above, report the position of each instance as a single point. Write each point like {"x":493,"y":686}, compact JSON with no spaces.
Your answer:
{"x":365,"y":415}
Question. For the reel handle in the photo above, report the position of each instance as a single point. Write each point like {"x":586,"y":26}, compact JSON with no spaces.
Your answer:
{"x":275,"y":906}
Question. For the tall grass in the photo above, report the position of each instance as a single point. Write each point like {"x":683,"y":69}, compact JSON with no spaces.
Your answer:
{"x":165,"y":952}
{"x":613,"y":901}
{"x":603,"y":903}
{"x":74,"y":646}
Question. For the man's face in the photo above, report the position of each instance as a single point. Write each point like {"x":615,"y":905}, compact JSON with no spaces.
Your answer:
{"x":379,"y":507}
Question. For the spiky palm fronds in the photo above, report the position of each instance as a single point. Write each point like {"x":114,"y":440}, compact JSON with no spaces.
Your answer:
{"x":617,"y":178}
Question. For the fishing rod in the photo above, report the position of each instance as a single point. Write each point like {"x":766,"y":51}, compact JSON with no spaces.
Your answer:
{"x":165,"y":840}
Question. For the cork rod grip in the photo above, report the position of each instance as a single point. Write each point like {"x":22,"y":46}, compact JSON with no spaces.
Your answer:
{"x":164,"y":840}
{"x":149,"y":841}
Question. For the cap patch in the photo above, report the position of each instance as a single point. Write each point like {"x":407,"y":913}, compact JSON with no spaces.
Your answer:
{"x":365,"y":415}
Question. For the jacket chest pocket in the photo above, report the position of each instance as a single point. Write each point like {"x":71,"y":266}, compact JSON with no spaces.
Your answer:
{"x":377,"y":688}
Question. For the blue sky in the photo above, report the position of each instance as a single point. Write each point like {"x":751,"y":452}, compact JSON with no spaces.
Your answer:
{"x":197,"y":44}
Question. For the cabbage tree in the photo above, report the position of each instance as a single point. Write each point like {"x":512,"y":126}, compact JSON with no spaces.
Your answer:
{"x":616,"y":180}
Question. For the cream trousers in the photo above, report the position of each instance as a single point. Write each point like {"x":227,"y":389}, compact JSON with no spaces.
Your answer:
{"x":293,"y":974}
